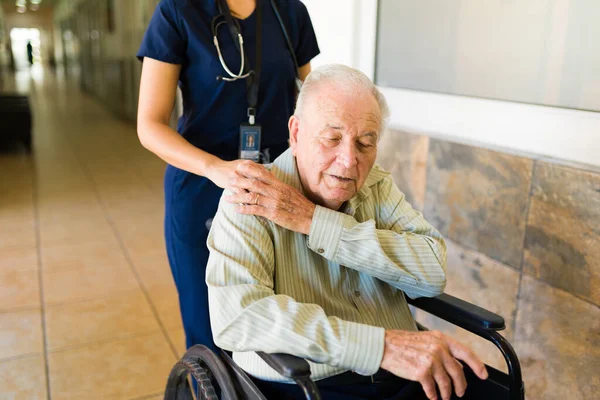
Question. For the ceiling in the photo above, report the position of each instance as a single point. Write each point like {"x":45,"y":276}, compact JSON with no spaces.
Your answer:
{"x":10,"y":5}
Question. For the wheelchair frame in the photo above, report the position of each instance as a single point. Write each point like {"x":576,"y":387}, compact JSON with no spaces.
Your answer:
{"x":205,"y":366}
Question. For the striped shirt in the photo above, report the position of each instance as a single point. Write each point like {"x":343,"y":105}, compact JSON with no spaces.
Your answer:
{"x":327,"y":296}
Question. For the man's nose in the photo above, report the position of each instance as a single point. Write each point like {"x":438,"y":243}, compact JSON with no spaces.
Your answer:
{"x":348,"y":155}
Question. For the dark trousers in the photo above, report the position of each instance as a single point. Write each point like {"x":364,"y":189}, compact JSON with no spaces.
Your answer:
{"x":190,"y":204}
{"x":191,"y":201}
{"x":348,"y":386}
{"x":351,"y":386}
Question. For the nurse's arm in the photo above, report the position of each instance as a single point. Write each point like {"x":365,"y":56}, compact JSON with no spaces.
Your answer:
{"x":158,"y":89}
{"x":303,"y":71}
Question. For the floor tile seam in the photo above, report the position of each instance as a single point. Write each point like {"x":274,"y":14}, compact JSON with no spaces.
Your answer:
{"x":20,"y":310}
{"x":21,"y":356}
{"x":27,"y":250}
{"x":105,"y":340}
{"x":75,"y":231}
{"x":75,"y":269}
{"x":81,"y":300}
{"x":146,"y":397}
{"x":51,"y":243}
{"x":89,"y":269}
{"x":84,"y":299}
{"x":23,"y":308}
{"x":145,"y":290}
{"x":112,"y":267}
{"x":36,"y":209}
{"x":16,"y":237}
{"x":7,"y":271}
{"x":124,"y":249}
{"x":15,"y":224}
{"x":17,"y":213}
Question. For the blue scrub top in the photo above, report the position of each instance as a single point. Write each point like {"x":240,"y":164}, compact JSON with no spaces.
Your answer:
{"x":180,"y":33}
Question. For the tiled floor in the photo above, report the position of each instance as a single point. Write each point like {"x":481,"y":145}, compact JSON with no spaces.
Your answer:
{"x":87,"y":304}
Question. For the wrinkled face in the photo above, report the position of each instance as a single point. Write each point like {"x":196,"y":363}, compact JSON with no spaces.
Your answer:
{"x":335,"y":143}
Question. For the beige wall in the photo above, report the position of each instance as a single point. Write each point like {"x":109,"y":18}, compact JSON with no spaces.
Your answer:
{"x":532,"y":129}
{"x":536,"y":51}
{"x":106,"y":59}
{"x":3,"y":39}
{"x":523,"y":242}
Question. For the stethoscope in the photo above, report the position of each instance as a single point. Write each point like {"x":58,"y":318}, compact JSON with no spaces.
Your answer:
{"x":216,"y":23}
{"x":220,"y":19}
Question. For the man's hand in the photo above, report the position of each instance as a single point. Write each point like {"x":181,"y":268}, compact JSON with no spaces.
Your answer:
{"x":266,"y":196}
{"x":430,"y":358}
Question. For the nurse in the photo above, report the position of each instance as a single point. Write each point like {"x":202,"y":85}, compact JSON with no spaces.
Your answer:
{"x":237,"y":63}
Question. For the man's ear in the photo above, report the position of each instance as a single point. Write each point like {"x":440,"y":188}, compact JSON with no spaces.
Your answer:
{"x":294,"y":127}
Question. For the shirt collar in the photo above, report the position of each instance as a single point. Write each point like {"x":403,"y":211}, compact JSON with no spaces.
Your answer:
{"x":286,"y":170}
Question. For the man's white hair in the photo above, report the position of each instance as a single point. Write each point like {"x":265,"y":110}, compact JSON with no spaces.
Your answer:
{"x":344,"y":77}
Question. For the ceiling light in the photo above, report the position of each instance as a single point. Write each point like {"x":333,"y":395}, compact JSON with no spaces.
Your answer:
{"x":35,"y":1}
{"x":21,"y":9}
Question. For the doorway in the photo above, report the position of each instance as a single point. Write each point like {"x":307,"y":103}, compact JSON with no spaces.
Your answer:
{"x":20,"y":38}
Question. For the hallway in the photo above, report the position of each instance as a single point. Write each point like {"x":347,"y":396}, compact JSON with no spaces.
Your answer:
{"x":88,"y":308}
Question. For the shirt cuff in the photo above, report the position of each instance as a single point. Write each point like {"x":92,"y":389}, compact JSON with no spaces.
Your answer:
{"x":326,"y":230}
{"x":363,"y":348}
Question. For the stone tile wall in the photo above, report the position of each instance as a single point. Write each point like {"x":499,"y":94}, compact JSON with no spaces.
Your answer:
{"x":523,"y":241}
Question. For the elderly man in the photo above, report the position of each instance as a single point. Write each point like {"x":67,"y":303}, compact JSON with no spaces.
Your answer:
{"x":313,"y":257}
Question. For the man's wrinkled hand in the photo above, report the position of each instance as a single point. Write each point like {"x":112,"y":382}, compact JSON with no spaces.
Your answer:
{"x":266,"y":196}
{"x":432,"y":359}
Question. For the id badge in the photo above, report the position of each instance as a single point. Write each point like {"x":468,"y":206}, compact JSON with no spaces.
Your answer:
{"x":250,"y":142}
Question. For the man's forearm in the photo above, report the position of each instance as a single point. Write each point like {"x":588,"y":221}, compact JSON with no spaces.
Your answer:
{"x":279,"y":324}
{"x":410,"y":261}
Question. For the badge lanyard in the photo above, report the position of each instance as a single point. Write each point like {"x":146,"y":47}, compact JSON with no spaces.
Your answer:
{"x":250,"y":133}
{"x":252,"y":76}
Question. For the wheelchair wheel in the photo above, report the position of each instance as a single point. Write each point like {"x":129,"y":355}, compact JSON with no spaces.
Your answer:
{"x":209,"y":372}
{"x":178,"y":387}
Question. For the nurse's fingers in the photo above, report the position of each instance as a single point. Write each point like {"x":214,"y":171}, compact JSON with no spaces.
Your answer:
{"x":253,"y":170}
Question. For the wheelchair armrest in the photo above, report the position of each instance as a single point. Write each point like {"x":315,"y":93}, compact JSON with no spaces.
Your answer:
{"x":459,"y":312}
{"x":294,"y":368}
{"x":481,"y":322}
{"x":287,"y":365}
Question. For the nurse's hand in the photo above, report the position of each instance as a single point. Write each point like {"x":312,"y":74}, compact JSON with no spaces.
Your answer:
{"x":224,"y":173}
{"x":268,"y":197}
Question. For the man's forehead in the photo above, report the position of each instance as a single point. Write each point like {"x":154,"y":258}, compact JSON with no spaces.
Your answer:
{"x":350,"y":107}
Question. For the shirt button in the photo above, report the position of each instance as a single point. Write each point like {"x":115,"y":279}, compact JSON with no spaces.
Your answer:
{"x":357,"y":293}
{"x":320,"y":251}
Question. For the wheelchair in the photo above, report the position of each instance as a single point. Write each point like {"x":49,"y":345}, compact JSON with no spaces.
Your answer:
{"x":218,"y":377}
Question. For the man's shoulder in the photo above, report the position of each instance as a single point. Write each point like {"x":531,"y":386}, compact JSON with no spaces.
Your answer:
{"x":276,"y":170}
{"x":377,"y":176}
